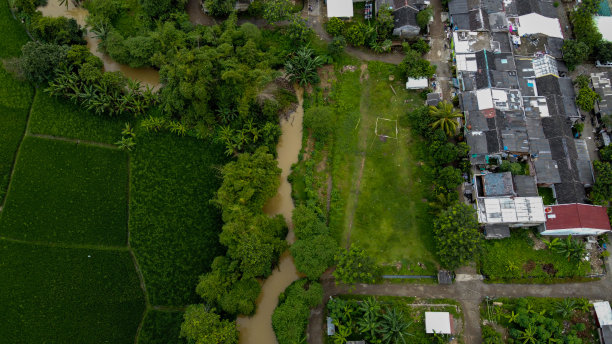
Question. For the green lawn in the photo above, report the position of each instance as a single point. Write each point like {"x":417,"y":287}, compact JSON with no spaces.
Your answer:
{"x":514,"y":258}
{"x":390,"y":219}
{"x":161,"y":328}
{"x":174,"y":228}
{"x":58,"y":117}
{"x":64,"y":192}
{"x":59,"y":295}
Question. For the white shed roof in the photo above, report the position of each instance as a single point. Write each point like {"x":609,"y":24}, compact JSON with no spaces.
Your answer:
{"x":466,"y":62}
{"x":484,"y":98}
{"x":604,"y":313}
{"x":438,"y":322}
{"x":510,"y":210}
{"x":604,"y":24}
{"x":417,"y":83}
{"x":533,"y":23}
{"x":340,"y":8}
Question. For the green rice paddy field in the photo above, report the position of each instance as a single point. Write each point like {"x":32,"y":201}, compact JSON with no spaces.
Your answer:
{"x":69,"y":199}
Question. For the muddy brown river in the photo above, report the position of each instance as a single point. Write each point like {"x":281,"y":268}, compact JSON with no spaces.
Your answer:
{"x":148,"y":76}
{"x":257,"y":329}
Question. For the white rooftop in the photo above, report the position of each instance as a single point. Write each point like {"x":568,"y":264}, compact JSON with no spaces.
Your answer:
{"x":510,"y":210}
{"x":438,"y":322}
{"x":340,"y":8}
{"x":604,"y":313}
{"x":534,"y":23}
{"x":604,"y":24}
{"x":466,"y":62}
{"x":544,"y":65}
{"x":484,"y":98}
{"x":417,"y":83}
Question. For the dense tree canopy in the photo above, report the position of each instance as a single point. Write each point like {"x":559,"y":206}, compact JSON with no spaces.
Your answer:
{"x":39,"y":60}
{"x":456,"y":235}
{"x":314,"y":255}
{"x":202,"y":326}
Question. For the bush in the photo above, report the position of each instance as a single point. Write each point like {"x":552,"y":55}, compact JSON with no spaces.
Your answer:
{"x":356,"y":34}
{"x":335,"y":27}
{"x":314,"y":255}
{"x":490,"y":336}
{"x":204,"y":326}
{"x":290,"y":317}
{"x":39,"y":60}
{"x":514,"y":167}
{"x":574,"y":53}
{"x":320,"y":120}
{"x":421,"y":46}
{"x":456,"y":235}
{"x":423,"y":18}
{"x":413,"y":66}
{"x":586,"y":99}
{"x":58,"y":30}
{"x":307,"y":223}
{"x":219,"y":8}
{"x":336,"y":46}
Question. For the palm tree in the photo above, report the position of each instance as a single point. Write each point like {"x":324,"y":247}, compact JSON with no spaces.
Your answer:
{"x":340,"y":337}
{"x":565,"y":308}
{"x":444,"y":115}
{"x":528,"y":335}
{"x":302,"y":68}
{"x":394,"y":328}
{"x":369,"y":325}
{"x":370,"y":307}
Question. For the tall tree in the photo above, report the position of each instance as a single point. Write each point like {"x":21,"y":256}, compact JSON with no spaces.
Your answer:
{"x":456,"y":235}
{"x":445,"y":115}
{"x":203,"y":326}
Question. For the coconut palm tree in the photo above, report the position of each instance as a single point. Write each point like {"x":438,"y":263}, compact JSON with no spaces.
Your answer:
{"x":444,"y":117}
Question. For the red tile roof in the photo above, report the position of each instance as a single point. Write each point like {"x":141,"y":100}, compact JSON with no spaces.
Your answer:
{"x":567,"y":216}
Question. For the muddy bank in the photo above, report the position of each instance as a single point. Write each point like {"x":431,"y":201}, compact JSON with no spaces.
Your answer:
{"x":148,"y":76}
{"x":258,"y":328}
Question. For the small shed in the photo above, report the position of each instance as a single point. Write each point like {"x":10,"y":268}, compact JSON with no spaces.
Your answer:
{"x":331,"y":328}
{"x":438,"y":322}
{"x":445,"y":277}
{"x":417,"y":84}
{"x":603,"y":312}
{"x":340,"y":8}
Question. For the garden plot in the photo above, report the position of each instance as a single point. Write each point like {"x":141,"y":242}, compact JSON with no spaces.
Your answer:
{"x":63,"y":192}
{"x":60,"y":295}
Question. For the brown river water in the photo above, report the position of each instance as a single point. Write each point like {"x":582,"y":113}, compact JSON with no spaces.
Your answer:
{"x":258,"y":328}
{"x":148,"y":76}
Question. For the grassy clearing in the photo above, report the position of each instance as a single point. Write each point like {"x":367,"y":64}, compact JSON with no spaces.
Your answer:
{"x":390,"y":219}
{"x":161,"y":328}
{"x":174,"y":229}
{"x":62,"y":192}
{"x":515,"y":258}
{"x":547,"y":195}
{"x":13,"y":34}
{"x":58,"y":117}
{"x":60,"y":295}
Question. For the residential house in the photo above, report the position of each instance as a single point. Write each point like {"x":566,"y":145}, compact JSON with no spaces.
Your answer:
{"x":404,"y":15}
{"x":439,"y":322}
{"x":576,"y":219}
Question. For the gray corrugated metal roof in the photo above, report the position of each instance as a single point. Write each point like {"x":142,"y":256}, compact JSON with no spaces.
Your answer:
{"x":547,"y":171}
{"x":525,"y":186}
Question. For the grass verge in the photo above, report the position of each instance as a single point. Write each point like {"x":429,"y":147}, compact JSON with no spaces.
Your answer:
{"x":64,"y":192}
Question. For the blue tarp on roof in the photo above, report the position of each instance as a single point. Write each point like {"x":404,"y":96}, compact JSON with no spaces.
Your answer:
{"x":604,"y":9}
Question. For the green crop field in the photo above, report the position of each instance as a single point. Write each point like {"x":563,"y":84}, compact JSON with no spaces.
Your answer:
{"x":64,"y":192}
{"x":161,"y":328}
{"x":13,"y":34}
{"x":376,"y":172}
{"x":174,"y":228}
{"x":60,"y":295}
{"x":58,"y":117}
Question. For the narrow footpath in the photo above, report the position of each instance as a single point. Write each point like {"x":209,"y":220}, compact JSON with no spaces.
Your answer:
{"x":469,"y":293}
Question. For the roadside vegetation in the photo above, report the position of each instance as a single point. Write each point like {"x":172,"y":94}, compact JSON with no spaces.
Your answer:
{"x":516,"y":260}
{"x":589,"y":44}
{"x":538,"y":320}
{"x":388,"y":319}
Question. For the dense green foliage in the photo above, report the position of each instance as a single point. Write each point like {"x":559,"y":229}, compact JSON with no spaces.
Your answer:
{"x":202,"y":326}
{"x":542,"y":320}
{"x":586,"y":99}
{"x":574,"y":53}
{"x":58,"y":30}
{"x":588,"y":37}
{"x":384,"y":319}
{"x":314,"y":255}
{"x":13,"y":34}
{"x":55,"y":116}
{"x":601,"y":192}
{"x":219,"y":8}
{"x":456,"y":234}
{"x":423,"y":18}
{"x":335,"y":26}
{"x":302,"y":67}
{"x":603,"y":51}
{"x":515,"y":258}
{"x":414,"y":66}
{"x":69,"y":295}
{"x":445,"y":117}
{"x":81,"y":194}
{"x":290,"y":318}
{"x":174,"y":228}
{"x":39,"y":61}
{"x":161,"y":327}
{"x":355,"y":266}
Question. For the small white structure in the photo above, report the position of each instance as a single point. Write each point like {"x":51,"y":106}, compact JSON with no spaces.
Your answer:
{"x":534,"y":23}
{"x":340,"y":8}
{"x":466,"y":62}
{"x":331,"y":328}
{"x":604,"y":313}
{"x":438,"y":322}
{"x":604,"y":24}
{"x":417,"y":84}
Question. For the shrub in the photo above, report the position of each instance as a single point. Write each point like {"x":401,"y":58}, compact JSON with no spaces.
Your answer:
{"x":314,"y":255}
{"x":320,"y":121}
{"x":204,"y":326}
{"x":586,"y":99}
{"x":356,"y":34}
{"x":307,"y":223}
{"x":421,"y":46}
{"x":219,"y":8}
{"x":39,"y":60}
{"x":574,"y":53}
{"x":490,"y":336}
{"x":456,"y":235}
{"x":58,"y":30}
{"x":290,"y":317}
{"x":423,"y":18}
{"x":413,"y":66}
{"x":335,"y":27}
{"x":355,"y":266}
{"x":336,"y":46}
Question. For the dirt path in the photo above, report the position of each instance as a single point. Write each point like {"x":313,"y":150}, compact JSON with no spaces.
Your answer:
{"x":469,"y":293}
{"x":439,"y":54}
